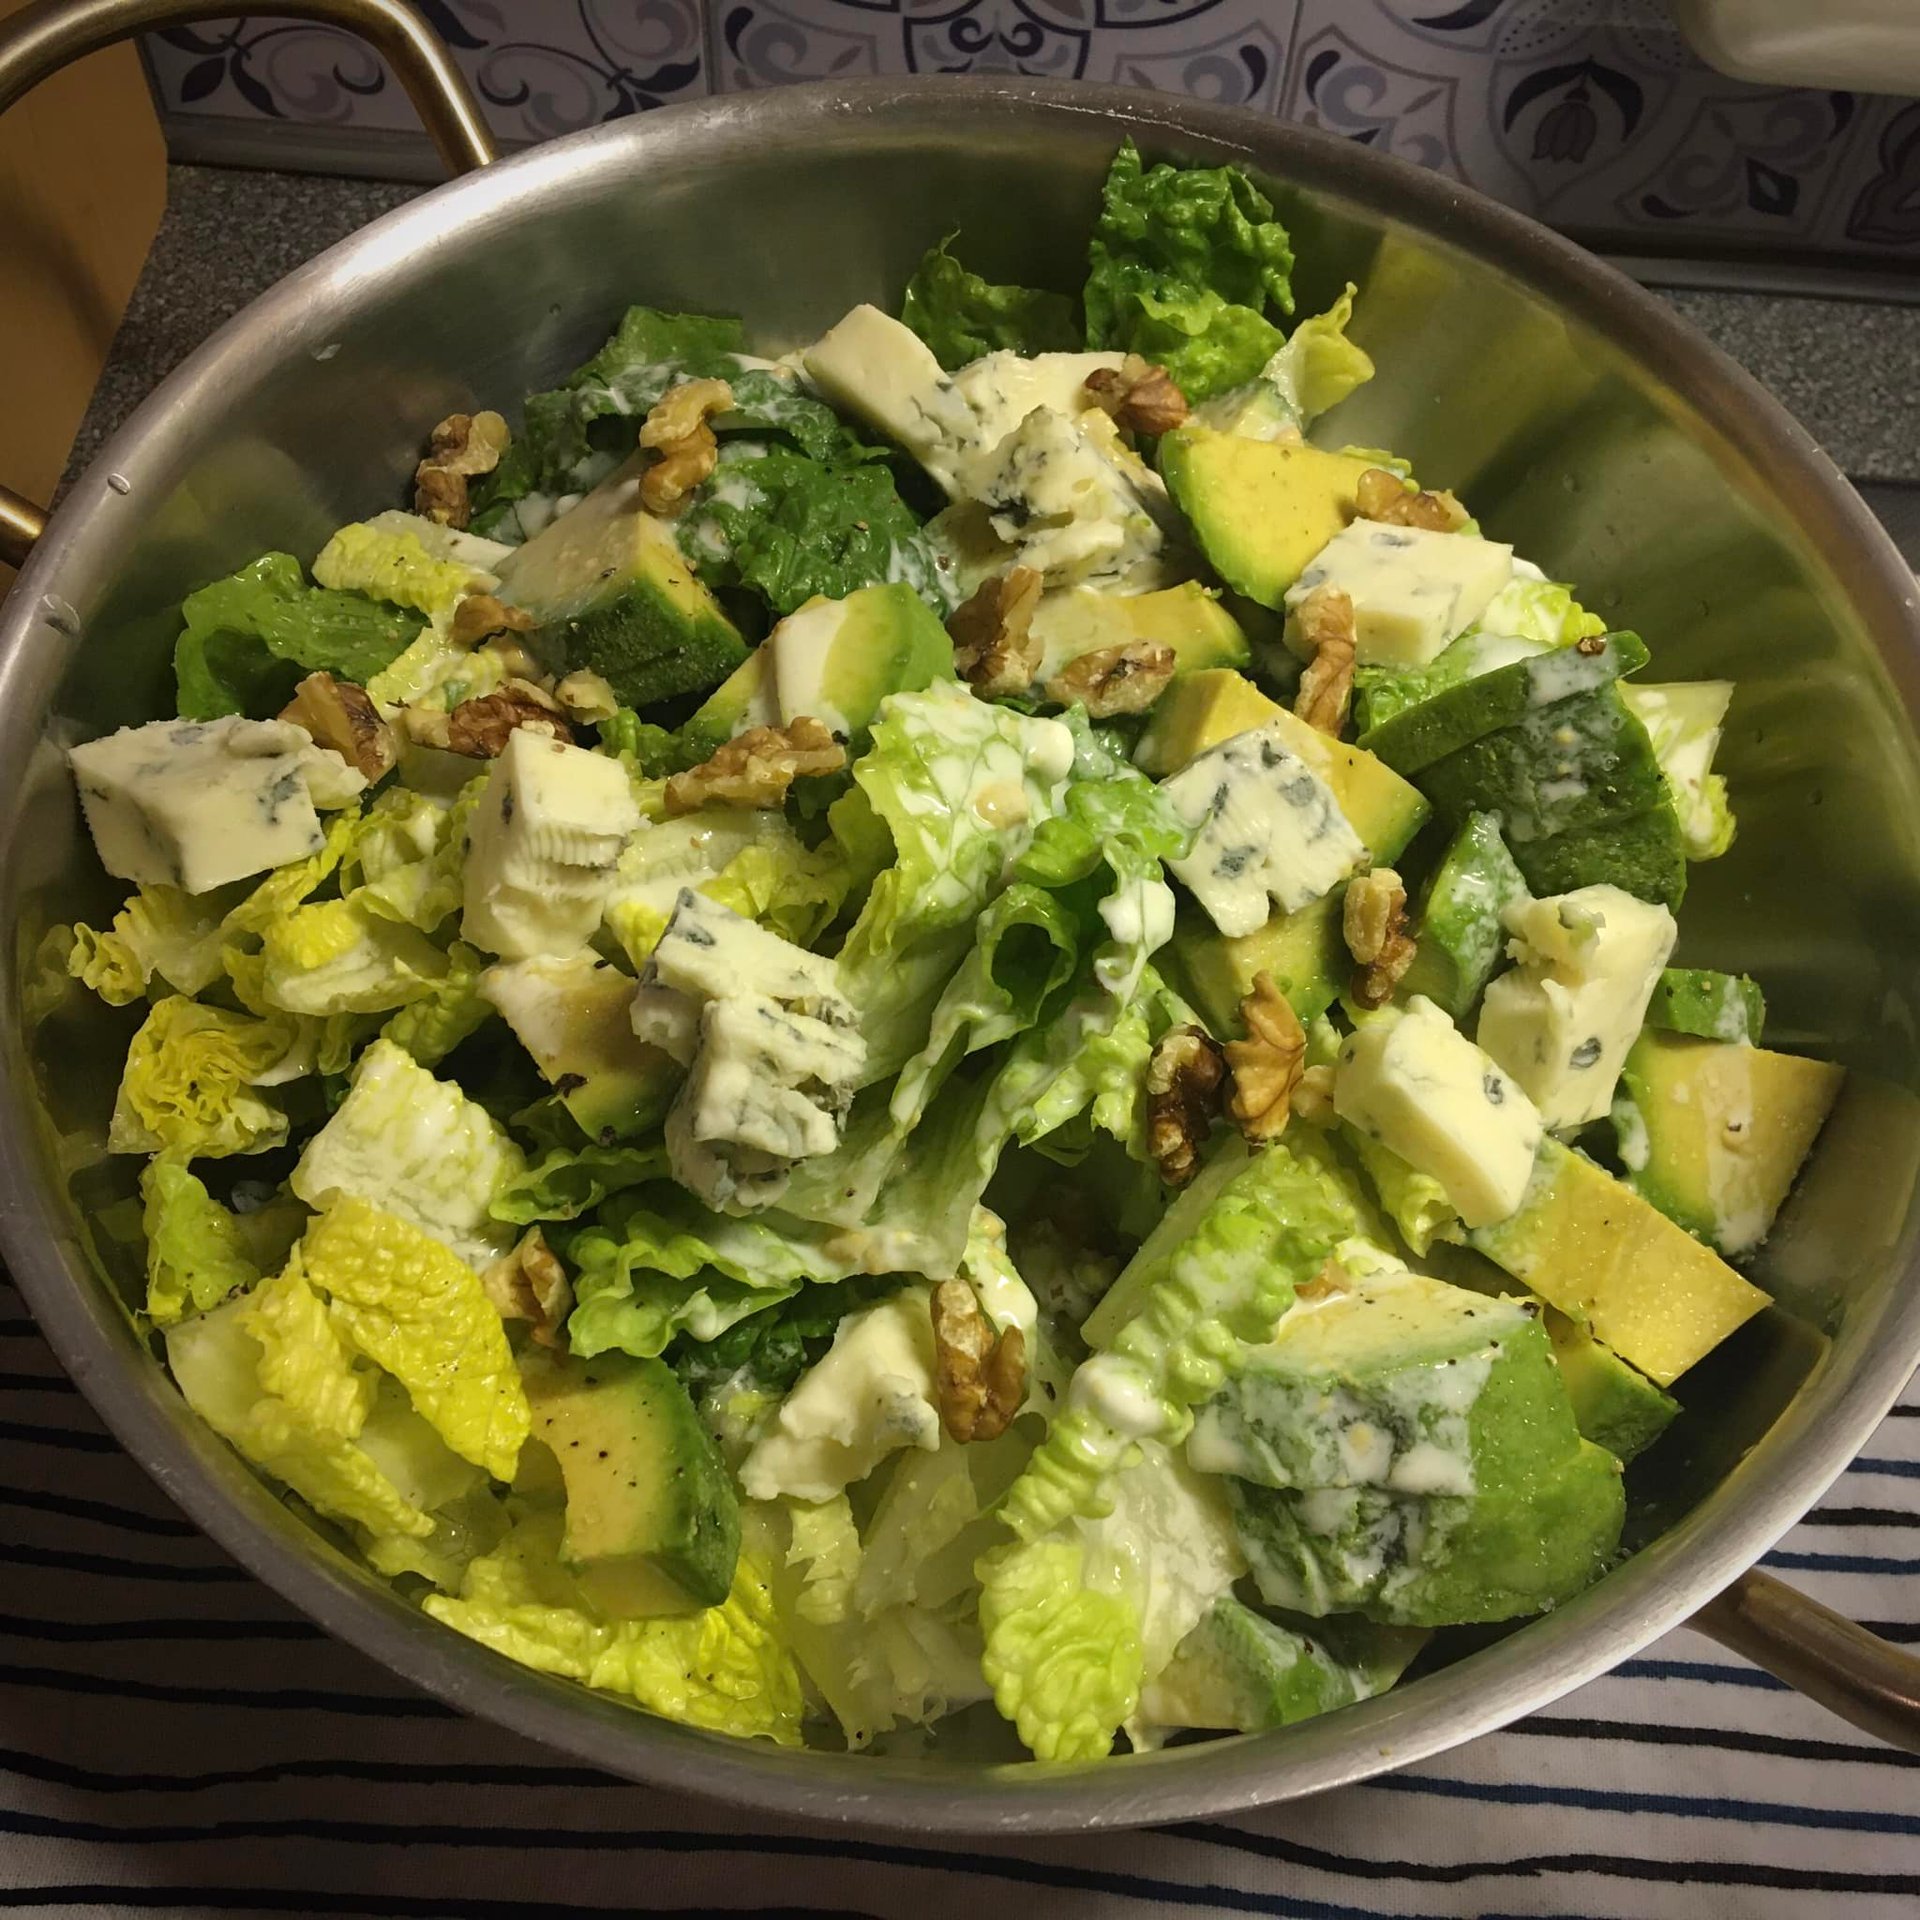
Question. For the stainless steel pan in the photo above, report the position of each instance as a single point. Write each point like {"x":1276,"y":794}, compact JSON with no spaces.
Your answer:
{"x":1579,"y":416}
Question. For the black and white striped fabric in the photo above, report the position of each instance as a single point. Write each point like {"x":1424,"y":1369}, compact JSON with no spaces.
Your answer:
{"x":175,"y":1739}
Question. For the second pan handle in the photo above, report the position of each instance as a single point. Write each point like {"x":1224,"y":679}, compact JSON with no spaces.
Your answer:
{"x":40,"y":39}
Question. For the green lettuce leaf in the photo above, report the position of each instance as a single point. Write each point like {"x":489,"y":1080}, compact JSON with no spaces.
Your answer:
{"x":161,"y":933}
{"x":391,"y":564}
{"x":727,"y":1669}
{"x":415,"y":1308}
{"x":452,"y":1009}
{"x":332,"y":956}
{"x":270,"y":1373}
{"x":1684,"y":722}
{"x":1184,"y":263}
{"x":638,"y":1264}
{"x":197,"y":1252}
{"x":789,"y":527}
{"x":405,"y":858}
{"x":961,"y":316}
{"x":1319,"y":366}
{"x":567,"y":1181}
{"x":416,"y":1147}
{"x":248,"y":639}
{"x":190,"y":1079}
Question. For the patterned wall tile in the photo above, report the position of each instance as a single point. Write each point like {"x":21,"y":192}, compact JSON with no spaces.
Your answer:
{"x":1592,"y":114}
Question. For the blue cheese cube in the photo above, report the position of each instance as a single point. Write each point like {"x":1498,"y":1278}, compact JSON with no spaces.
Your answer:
{"x":196,"y":803}
{"x":1411,"y":1081}
{"x":879,"y":370}
{"x":1001,"y":389}
{"x":543,"y":847}
{"x":1562,"y":1021}
{"x":1413,"y":591}
{"x":772,"y":1047}
{"x":1268,"y":830}
{"x":872,"y":1393}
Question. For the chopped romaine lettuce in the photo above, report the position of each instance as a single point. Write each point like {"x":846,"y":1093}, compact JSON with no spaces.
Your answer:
{"x":189,"y":1085}
{"x":197,"y":1251}
{"x":961,"y":316}
{"x":248,"y":639}
{"x":727,"y":1669}
{"x":1185,"y":262}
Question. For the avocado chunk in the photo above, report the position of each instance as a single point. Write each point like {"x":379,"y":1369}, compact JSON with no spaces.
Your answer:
{"x":1238,"y":1671}
{"x":1457,"y":927}
{"x":1614,"y":1405}
{"x":1302,"y":950}
{"x":1187,"y":618}
{"x":743,"y":699}
{"x":574,"y":1015}
{"x":1465,"y":710}
{"x":1709,"y":1005}
{"x":1603,"y":1255}
{"x":1394,"y":1381}
{"x":608,"y":583}
{"x":836,"y":660}
{"x":1260,"y":509}
{"x":1713,"y":1132}
{"x":653,"y":1523}
{"x":1436,"y":1560}
{"x":1580,"y":797}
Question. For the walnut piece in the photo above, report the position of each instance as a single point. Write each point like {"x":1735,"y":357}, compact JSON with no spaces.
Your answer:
{"x":1140,"y":396}
{"x":462,"y":445}
{"x":1374,"y":921}
{"x":340,"y":715}
{"x":530,"y":1284}
{"x":1266,"y":1065}
{"x":479,"y":616}
{"x":1383,"y":496}
{"x":756,"y":768}
{"x":994,"y":650}
{"x":1325,"y":620}
{"x":677,"y":430}
{"x":1184,"y":1076}
{"x":980,"y":1376}
{"x":479,"y":728}
{"x":1128,"y":678}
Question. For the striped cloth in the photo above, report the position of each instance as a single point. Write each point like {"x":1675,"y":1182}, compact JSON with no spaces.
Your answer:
{"x":175,"y":1739}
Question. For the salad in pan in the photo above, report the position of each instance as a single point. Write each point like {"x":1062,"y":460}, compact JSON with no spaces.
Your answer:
{"x":963,"y":1027}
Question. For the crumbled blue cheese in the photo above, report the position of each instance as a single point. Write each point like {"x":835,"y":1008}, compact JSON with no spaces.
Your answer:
{"x":1561,"y":1022}
{"x":1408,"y":1079}
{"x":773,"y":1051}
{"x":1413,"y":591}
{"x":543,"y":846}
{"x":196,"y":803}
{"x":872,"y":1394}
{"x":1002,"y":389}
{"x":1268,"y":830}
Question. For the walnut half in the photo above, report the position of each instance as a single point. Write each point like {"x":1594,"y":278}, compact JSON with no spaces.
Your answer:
{"x":1128,"y":678}
{"x":1140,"y":396}
{"x":1266,"y":1065}
{"x":480,"y":728}
{"x":1385,"y":497}
{"x":1374,"y":920}
{"x":1325,"y":620}
{"x":479,"y":617}
{"x":677,"y":430}
{"x":1184,"y":1076}
{"x":756,"y":768}
{"x":530,"y":1284}
{"x":980,"y":1376}
{"x":462,"y":445}
{"x":342,"y":716}
{"x":994,"y":651}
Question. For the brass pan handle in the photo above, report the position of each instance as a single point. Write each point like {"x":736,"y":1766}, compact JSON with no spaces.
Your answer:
{"x":41,"y":39}
{"x":1820,"y":1653}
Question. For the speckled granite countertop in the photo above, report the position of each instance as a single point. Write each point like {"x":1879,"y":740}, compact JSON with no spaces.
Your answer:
{"x":1848,"y":369}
